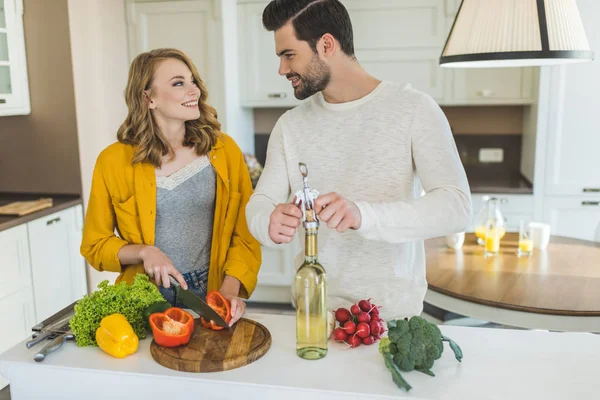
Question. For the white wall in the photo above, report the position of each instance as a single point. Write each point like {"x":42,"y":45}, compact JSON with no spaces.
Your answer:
{"x":239,"y":123}
{"x":100,"y":65}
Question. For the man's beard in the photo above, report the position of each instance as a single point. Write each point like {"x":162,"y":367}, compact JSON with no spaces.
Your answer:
{"x":315,"y":79}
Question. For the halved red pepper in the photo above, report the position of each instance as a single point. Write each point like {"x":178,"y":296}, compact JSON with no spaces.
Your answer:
{"x":221,"y":305}
{"x":172,"y":328}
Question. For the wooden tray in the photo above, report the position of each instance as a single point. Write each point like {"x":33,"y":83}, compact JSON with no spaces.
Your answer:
{"x":211,"y":351}
{"x":21,"y":208}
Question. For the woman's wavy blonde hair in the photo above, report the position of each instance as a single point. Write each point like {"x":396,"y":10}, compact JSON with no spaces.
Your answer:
{"x":140,"y":129}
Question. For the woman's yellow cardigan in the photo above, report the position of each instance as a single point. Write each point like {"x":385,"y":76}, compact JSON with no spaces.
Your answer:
{"x":123,"y":196}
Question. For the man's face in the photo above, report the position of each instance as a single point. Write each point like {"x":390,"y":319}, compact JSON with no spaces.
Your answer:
{"x":307,"y":73}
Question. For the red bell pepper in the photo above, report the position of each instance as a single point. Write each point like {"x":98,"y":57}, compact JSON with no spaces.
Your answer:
{"x":221,"y":305}
{"x":172,"y":328}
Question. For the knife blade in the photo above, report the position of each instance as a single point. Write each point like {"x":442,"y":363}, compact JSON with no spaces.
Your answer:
{"x":196,"y":304}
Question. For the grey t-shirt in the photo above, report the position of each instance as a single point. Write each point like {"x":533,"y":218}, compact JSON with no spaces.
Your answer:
{"x":185,"y":204}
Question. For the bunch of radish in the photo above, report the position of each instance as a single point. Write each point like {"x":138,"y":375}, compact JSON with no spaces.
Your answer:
{"x":360,"y":324}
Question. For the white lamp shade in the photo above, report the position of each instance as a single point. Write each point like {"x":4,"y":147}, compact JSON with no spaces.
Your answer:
{"x":515,"y":33}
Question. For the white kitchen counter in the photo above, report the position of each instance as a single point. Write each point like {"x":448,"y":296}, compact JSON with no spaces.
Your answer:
{"x":497,"y":364}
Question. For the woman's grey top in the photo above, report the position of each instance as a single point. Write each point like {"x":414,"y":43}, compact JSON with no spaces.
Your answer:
{"x":185,"y":204}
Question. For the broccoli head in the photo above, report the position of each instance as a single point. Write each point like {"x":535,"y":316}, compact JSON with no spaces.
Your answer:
{"x":414,"y":344}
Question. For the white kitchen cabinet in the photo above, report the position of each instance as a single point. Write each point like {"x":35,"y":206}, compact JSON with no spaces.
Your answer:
{"x":479,"y":86}
{"x":394,"y":40}
{"x":276,"y":273}
{"x":15,"y":261}
{"x":58,"y":270}
{"x":573,"y":135}
{"x":14,"y":86}
{"x":17,"y":313}
{"x":577,"y":217}
{"x":261,"y":84}
{"x":192,"y":26}
{"x":514,"y":208}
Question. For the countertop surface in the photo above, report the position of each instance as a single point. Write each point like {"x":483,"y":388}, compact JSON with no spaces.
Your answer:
{"x":59,"y":203}
{"x":497,"y":364}
{"x":515,"y":185}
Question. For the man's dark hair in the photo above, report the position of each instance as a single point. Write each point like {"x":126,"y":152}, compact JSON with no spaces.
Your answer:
{"x":312,"y":19}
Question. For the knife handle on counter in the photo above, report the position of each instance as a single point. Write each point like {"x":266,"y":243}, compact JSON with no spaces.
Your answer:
{"x":53,"y":345}
{"x":41,"y":336}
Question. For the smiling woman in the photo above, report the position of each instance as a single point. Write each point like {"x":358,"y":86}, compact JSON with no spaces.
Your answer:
{"x":174,"y":188}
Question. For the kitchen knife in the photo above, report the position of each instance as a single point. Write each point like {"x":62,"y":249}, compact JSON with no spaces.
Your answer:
{"x":196,"y":304}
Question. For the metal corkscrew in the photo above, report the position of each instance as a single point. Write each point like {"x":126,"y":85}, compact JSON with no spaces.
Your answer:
{"x":305,"y":198}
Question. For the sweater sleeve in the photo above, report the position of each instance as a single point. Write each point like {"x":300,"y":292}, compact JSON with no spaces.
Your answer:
{"x":446,"y":206}
{"x":273,"y":188}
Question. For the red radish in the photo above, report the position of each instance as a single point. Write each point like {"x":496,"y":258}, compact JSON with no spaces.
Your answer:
{"x":368,"y":340}
{"x":354,"y":341}
{"x":374,"y":310}
{"x":349,"y":327}
{"x":339,"y":335}
{"x":363,"y":330}
{"x":365,"y":305}
{"x":342,"y":315}
{"x":364,"y":317}
{"x":382,"y":325}
{"x":375,"y":328}
{"x":355,"y":309}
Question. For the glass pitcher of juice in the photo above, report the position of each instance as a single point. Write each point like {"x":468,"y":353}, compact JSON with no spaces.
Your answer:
{"x":483,"y":217}
{"x":494,"y":228}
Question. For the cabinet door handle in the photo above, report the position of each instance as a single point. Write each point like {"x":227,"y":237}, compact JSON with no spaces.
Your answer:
{"x":277,"y":95}
{"x":590,"y":203}
{"x":591,"y":190}
{"x":485,"y":93}
{"x":53,"y":221}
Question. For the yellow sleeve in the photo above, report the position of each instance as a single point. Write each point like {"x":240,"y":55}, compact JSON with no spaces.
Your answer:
{"x":100,"y":246}
{"x":244,"y":256}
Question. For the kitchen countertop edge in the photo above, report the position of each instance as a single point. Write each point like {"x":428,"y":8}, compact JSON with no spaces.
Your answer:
{"x":60,"y":202}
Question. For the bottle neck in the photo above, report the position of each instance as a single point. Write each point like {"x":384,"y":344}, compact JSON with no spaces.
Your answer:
{"x":310,"y":248}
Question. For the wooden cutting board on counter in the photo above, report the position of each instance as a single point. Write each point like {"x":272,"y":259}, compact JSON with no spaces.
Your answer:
{"x":21,"y":208}
{"x":212,"y":351}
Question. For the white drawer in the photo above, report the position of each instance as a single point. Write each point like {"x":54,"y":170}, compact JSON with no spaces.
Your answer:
{"x":509,"y":203}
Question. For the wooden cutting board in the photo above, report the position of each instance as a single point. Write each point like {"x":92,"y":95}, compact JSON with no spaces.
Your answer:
{"x":211,"y":351}
{"x":21,"y":208}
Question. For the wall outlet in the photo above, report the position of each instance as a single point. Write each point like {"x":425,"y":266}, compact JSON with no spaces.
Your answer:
{"x":491,"y":155}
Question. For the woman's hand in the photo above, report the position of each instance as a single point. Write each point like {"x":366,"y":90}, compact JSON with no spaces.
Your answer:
{"x":158,"y":266}
{"x":230,"y":290}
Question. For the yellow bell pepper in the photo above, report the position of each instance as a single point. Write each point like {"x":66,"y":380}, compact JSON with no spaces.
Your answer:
{"x":116,"y":336}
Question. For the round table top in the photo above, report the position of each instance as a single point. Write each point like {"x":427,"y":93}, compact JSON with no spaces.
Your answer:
{"x":564,"y":279}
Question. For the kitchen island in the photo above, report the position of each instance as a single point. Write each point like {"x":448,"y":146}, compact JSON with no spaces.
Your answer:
{"x":497,"y":364}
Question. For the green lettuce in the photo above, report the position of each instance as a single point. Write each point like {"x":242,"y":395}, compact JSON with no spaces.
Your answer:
{"x":129,"y":300}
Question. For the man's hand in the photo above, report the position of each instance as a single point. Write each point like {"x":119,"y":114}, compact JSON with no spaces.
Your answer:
{"x":339,"y":213}
{"x":283,"y":223}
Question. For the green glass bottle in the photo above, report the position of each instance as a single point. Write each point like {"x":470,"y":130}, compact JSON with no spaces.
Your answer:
{"x":311,"y":288}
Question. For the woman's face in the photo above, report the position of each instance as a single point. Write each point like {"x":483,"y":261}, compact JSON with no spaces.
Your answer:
{"x":174,"y":94}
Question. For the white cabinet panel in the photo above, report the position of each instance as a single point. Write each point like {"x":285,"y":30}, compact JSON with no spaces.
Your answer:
{"x":493,"y":85}
{"x":15,"y":263}
{"x":261,"y":84}
{"x":418,"y":67}
{"x":57,"y":270}
{"x":193,"y":27}
{"x":16,"y":318}
{"x":514,"y":208}
{"x":407,"y":24}
{"x":577,"y":217}
{"x":573,"y":149}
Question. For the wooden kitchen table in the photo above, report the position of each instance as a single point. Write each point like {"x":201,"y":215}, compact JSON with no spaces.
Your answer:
{"x":498,"y":364}
{"x":553,"y":289}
